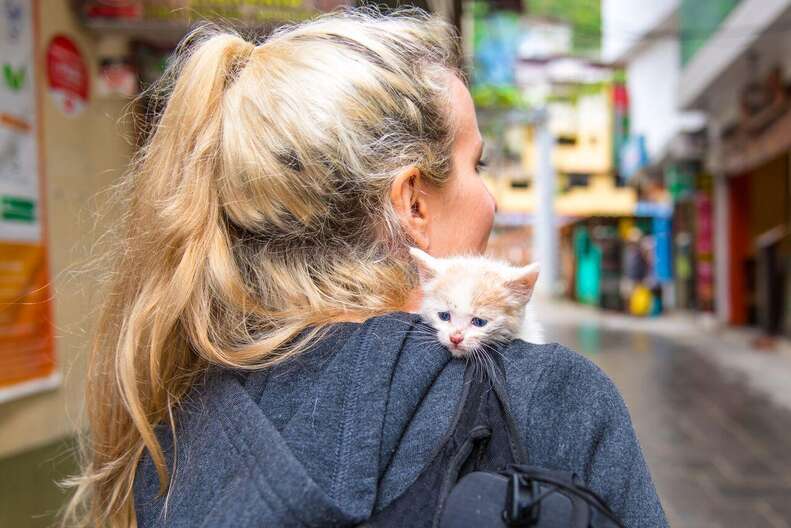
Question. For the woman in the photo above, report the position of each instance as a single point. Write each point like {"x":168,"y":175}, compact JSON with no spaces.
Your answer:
{"x":249,"y":369}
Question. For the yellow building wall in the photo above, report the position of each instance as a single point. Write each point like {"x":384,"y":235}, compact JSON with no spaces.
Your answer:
{"x":599,"y":198}
{"x":82,"y":156}
{"x":592,"y":153}
{"x":589,"y":122}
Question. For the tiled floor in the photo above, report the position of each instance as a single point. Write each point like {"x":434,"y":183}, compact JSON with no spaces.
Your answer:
{"x":719,"y":453}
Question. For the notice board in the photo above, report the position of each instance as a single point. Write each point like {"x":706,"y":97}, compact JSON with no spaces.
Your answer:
{"x":27,"y":354}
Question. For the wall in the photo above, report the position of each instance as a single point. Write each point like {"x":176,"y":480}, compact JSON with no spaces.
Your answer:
{"x":714,"y":74}
{"x":592,"y":129}
{"x":82,"y":155}
{"x":700,"y":20}
{"x":625,"y":24}
{"x":768,"y":197}
{"x":588,"y":122}
{"x":739,"y":244}
{"x":652,"y":75}
{"x":599,"y":198}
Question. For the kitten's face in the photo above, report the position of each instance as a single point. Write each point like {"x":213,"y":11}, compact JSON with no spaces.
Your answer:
{"x":473,"y":302}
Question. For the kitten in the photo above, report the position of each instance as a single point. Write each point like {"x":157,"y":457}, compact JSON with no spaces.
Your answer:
{"x":476,"y":302}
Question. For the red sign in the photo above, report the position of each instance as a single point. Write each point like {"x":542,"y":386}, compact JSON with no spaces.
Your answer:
{"x":704,"y":249}
{"x":113,"y":9}
{"x":67,"y":75}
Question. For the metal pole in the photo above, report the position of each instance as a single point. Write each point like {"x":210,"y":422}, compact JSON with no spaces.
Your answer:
{"x":545,"y":246}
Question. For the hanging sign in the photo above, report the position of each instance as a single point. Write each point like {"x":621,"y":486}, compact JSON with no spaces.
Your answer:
{"x":67,"y":75}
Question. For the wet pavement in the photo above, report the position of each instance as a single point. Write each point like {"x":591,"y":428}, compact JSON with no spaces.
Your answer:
{"x":719,"y":452}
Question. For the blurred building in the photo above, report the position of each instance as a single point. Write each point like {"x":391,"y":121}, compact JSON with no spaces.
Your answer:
{"x":524,"y":72}
{"x":735,"y":69}
{"x":633,"y":197}
{"x":577,"y":96}
{"x":662,"y":154}
{"x":643,"y":37}
{"x":709,"y":136}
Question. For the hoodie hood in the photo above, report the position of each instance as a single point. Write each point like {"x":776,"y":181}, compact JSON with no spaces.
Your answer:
{"x":310,"y":442}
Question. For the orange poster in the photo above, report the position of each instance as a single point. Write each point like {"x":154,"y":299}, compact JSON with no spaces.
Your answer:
{"x":26,"y":360}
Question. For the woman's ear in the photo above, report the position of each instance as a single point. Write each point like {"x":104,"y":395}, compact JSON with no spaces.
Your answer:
{"x":410,"y":205}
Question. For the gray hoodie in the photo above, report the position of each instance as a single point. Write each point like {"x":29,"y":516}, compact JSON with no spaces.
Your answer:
{"x":340,"y":431}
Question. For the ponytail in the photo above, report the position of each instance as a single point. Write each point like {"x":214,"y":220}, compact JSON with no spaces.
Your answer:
{"x":136,"y":385}
{"x":255,"y":215}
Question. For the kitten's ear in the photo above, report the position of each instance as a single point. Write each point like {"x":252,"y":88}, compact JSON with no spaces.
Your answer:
{"x":525,"y":281}
{"x":427,"y":265}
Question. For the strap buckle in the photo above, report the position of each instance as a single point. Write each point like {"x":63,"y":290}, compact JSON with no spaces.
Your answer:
{"x":523,"y":502}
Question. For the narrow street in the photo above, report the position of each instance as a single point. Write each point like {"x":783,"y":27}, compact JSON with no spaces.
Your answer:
{"x":719,"y":451}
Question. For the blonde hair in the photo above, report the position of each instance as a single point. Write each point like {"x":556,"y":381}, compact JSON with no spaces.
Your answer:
{"x":257,"y":212}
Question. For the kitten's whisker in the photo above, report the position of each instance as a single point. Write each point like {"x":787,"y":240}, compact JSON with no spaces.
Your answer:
{"x":490,"y":348}
{"x":481,"y":362}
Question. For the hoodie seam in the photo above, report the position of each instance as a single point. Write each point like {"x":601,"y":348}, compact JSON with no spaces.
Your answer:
{"x":243,"y":449}
{"x":349,"y":400}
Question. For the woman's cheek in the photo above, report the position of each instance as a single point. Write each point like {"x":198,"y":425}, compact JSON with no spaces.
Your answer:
{"x":492,"y":209}
{"x":487,"y":209}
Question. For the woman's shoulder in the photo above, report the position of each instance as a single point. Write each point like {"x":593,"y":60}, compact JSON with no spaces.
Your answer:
{"x":572,"y":417}
{"x":528,"y":361}
{"x":550,"y":382}
{"x":552,"y":365}
{"x":535,"y":374}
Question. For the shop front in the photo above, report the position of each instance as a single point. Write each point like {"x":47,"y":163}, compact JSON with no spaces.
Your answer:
{"x":759,"y":245}
{"x":756,"y":160}
{"x":622,"y":263}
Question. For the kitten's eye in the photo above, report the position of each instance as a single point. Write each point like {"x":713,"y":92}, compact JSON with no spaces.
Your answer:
{"x":477,"y":321}
{"x":444,"y":316}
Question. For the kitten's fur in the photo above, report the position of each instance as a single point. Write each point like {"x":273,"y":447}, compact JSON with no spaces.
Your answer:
{"x":469,"y":288}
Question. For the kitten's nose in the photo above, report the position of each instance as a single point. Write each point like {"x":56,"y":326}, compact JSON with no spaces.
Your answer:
{"x":456,"y":339}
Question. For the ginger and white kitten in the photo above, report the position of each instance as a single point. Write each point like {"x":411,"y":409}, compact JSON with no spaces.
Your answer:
{"x":476,"y":302}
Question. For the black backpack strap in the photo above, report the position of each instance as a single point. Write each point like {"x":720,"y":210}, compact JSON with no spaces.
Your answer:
{"x":482,"y":437}
{"x":518,"y":444}
{"x":563,"y":482}
{"x":525,"y":496}
{"x":478,"y":475}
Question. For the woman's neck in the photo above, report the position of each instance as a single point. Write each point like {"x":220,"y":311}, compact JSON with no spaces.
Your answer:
{"x":411,"y":305}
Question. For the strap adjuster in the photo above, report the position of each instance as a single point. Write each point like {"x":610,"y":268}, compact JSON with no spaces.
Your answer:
{"x":523,"y":502}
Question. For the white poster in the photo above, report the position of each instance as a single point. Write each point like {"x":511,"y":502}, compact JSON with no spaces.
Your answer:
{"x":19,"y":182}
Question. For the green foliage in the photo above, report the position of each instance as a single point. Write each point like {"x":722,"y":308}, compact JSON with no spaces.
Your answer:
{"x":503,"y":97}
{"x":583,"y":15}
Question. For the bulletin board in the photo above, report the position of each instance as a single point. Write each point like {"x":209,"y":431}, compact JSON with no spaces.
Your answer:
{"x":27,"y":353}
